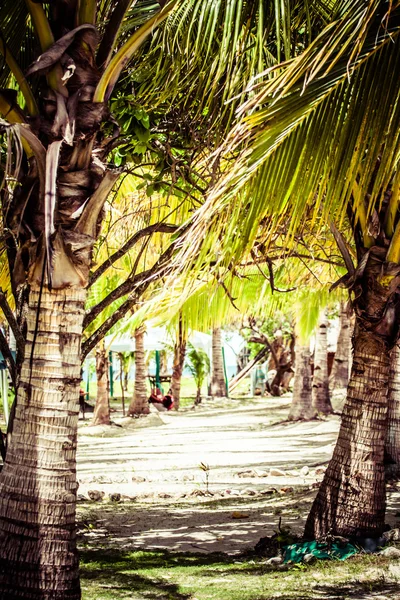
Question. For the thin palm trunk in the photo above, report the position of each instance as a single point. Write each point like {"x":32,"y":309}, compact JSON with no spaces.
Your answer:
{"x":139,"y":404}
{"x":392,"y":447}
{"x":301,"y":407}
{"x":218,"y":385}
{"x":101,"y":415}
{"x":320,"y":385}
{"x":38,"y":483}
{"x":341,"y":364}
{"x":351,"y":499}
{"x":177,"y":369}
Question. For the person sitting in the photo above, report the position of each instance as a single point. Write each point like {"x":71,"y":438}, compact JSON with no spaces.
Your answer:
{"x":161,"y":402}
{"x":168,"y":400}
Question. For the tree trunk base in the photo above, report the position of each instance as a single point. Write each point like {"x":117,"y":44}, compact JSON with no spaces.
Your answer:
{"x":351,"y":499}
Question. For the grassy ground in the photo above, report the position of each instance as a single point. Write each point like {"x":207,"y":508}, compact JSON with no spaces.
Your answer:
{"x":111,"y":575}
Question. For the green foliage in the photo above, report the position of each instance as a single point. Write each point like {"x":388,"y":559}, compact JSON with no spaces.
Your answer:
{"x":161,"y":575}
{"x":198,"y":363}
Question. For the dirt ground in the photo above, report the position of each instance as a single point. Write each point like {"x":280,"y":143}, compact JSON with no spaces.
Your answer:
{"x":261,"y":469}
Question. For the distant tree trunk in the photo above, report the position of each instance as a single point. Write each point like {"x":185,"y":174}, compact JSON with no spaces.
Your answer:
{"x":163,"y":363}
{"x":101,"y":415}
{"x":301,"y":407}
{"x":341,"y":364}
{"x":139,"y":404}
{"x":198,"y":396}
{"x":179,"y":360}
{"x":218,"y":385}
{"x":126,"y":379}
{"x":320,"y":385}
{"x":392,"y":447}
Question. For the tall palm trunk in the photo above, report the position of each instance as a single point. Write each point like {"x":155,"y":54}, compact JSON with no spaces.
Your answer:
{"x":218,"y":385}
{"x":139,"y":404}
{"x":301,"y":407}
{"x":392,"y":447}
{"x":320,"y":385}
{"x":341,"y":364}
{"x":101,"y":414}
{"x":351,"y":499}
{"x":38,"y":482}
{"x":179,"y":361}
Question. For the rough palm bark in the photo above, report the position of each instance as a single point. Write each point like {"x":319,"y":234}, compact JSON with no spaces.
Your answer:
{"x":352,"y":497}
{"x":38,"y":483}
{"x":392,"y":447}
{"x":341,"y":364}
{"x":301,"y":407}
{"x":179,"y":361}
{"x":218,"y":385}
{"x":101,"y":415}
{"x":139,"y":404}
{"x":52,"y":213}
{"x":320,"y":385}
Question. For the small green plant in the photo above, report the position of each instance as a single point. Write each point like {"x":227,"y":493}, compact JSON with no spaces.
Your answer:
{"x":206,"y":469}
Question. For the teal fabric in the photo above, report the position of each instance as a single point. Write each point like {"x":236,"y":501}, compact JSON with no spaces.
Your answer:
{"x":296,"y":552}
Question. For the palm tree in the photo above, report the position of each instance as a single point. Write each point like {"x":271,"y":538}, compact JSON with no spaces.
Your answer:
{"x":53,"y":217}
{"x":139,"y":404}
{"x":101,"y":415}
{"x":320,"y":385}
{"x":218,"y":385}
{"x":301,"y":406}
{"x":319,"y":141}
{"x":67,"y":138}
{"x":199,"y":365}
{"x":179,"y":361}
{"x":341,"y":364}
{"x":392,"y":446}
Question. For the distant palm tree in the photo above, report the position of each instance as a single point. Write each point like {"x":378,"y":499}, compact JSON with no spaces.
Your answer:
{"x":140,"y":404}
{"x":198,"y":363}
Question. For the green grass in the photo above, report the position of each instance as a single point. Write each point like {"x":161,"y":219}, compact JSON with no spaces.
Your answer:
{"x":160,"y":575}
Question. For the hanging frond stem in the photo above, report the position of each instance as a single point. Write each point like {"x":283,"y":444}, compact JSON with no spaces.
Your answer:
{"x":123,"y":56}
{"x":24,"y":86}
{"x":41,"y":25}
{"x":341,"y":243}
{"x":113,"y":28}
{"x":46,"y":39}
{"x":393,"y":254}
{"x":9,"y":315}
{"x":13,"y":114}
{"x":6,"y":352}
{"x":361,"y":215}
{"x":87,"y":12}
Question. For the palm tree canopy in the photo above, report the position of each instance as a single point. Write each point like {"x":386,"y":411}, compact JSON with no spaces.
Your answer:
{"x":318,"y":141}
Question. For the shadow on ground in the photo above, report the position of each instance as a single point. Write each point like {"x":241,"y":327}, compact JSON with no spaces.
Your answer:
{"x":227,"y":525}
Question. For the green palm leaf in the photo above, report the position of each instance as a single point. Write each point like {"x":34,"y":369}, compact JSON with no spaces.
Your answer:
{"x":311,"y":141}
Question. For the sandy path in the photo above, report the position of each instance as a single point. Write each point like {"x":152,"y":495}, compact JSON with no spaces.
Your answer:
{"x":229,"y":441}
{"x":146,"y":463}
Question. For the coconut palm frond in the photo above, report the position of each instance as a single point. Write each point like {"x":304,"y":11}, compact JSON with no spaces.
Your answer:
{"x":206,"y":53}
{"x":310,"y":142}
